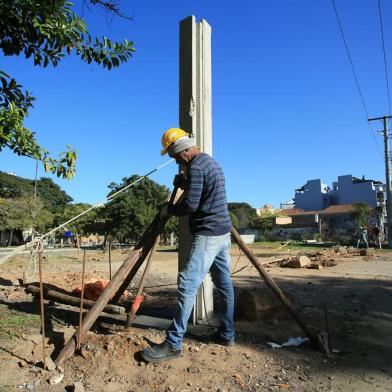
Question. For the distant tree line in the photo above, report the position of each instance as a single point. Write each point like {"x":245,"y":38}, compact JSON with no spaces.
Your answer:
{"x":44,"y":206}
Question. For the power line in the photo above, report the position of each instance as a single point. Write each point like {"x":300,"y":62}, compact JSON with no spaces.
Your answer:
{"x":385,"y":59}
{"x":355,"y":77}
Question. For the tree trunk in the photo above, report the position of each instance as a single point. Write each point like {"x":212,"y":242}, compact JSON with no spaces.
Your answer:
{"x":11,"y":235}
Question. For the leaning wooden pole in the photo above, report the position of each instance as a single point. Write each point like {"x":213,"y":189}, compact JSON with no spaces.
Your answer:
{"x":131,"y":264}
{"x":318,"y":338}
{"x":136,"y":267}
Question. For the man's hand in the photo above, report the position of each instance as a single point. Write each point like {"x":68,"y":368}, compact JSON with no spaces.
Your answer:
{"x":180,"y":180}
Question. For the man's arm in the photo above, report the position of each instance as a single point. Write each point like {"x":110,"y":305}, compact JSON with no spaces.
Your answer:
{"x":194,"y":189}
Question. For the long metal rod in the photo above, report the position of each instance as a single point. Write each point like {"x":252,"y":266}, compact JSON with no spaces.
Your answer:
{"x":139,"y":294}
{"x":110,"y":261}
{"x":81,"y":300}
{"x":41,"y":301}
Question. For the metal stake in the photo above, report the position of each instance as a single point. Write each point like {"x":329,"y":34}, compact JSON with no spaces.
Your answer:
{"x":41,"y":300}
{"x":81,"y":300}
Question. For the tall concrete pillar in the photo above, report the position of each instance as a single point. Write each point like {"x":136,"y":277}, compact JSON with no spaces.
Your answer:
{"x":196,"y":118}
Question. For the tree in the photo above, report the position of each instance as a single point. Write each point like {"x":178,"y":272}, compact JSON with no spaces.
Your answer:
{"x":244,"y":213}
{"x":24,"y":212}
{"x":128,"y":215}
{"x":361,"y":213}
{"x":47,"y":31}
{"x":83,"y":225}
{"x":234,"y":220}
{"x":265,"y":224}
{"x":53,"y":197}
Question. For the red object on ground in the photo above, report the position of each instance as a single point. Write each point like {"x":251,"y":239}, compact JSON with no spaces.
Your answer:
{"x":93,"y":288}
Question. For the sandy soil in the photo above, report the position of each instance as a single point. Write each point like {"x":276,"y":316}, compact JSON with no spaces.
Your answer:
{"x":352,"y":300}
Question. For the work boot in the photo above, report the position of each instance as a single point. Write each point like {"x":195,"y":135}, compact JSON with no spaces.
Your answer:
{"x":160,"y":352}
{"x":218,"y":339}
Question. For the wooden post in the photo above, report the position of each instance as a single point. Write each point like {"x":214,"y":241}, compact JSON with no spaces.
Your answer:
{"x":318,"y":338}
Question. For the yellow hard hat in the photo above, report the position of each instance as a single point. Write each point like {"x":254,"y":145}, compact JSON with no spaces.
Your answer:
{"x":170,"y":136}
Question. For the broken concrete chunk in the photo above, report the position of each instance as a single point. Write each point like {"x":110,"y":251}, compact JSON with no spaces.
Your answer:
{"x":298,"y":262}
{"x":77,"y":387}
{"x":56,"y":379}
{"x":50,"y":365}
{"x":315,"y":266}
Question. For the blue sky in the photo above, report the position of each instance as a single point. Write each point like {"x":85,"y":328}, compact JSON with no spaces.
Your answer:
{"x":285,"y":104}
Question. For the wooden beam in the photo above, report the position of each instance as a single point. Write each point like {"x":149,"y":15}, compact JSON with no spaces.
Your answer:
{"x":318,"y":338}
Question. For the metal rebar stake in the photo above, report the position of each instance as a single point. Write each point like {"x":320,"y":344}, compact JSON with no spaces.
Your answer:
{"x":81,"y":300}
{"x":41,"y":300}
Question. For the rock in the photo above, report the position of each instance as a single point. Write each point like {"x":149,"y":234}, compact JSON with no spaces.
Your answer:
{"x":22,"y":364}
{"x":85,"y":353}
{"x":194,"y":349}
{"x":77,"y":387}
{"x":30,"y":387}
{"x":56,"y":379}
{"x":50,"y":365}
{"x":352,"y":250}
{"x":255,"y":304}
{"x":367,"y":252}
{"x":315,"y":266}
{"x":329,"y":263}
{"x":342,"y":250}
{"x":297,"y":262}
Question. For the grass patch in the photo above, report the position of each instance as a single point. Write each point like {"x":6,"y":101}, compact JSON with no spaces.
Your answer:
{"x":13,"y":323}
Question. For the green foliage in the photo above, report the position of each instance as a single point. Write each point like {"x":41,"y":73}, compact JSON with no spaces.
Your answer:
{"x":265,"y":224}
{"x":361,"y":213}
{"x":53,"y":197}
{"x":234,"y":220}
{"x":244,"y":213}
{"x":24,"y":212}
{"x":83,"y":225}
{"x":128,"y":215}
{"x":46,"y":31}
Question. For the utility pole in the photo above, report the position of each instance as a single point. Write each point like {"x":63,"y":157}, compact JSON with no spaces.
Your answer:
{"x":387,"y":175}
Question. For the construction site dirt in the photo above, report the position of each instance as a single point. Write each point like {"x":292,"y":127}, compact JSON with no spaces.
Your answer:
{"x":349,"y":298}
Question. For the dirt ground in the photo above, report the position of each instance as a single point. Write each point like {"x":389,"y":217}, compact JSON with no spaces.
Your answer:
{"x":352,"y":301}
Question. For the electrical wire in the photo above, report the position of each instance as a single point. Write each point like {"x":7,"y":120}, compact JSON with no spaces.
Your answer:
{"x":356,"y":78}
{"x":385,"y":59}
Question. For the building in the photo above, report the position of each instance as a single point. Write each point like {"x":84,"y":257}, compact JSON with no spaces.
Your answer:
{"x":315,"y":195}
{"x":287,"y":205}
{"x":335,"y":223}
{"x":312,"y":196}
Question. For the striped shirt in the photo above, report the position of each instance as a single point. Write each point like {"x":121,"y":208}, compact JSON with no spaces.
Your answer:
{"x":205,"y":201}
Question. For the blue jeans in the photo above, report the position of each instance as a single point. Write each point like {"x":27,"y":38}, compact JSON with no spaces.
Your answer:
{"x":207,"y":253}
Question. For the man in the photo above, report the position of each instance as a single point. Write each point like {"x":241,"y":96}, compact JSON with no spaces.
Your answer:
{"x":363,"y":236}
{"x":206,"y":204}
